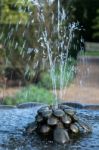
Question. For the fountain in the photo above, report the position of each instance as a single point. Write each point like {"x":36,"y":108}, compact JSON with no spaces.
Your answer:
{"x":57,"y":122}
{"x":37,"y":126}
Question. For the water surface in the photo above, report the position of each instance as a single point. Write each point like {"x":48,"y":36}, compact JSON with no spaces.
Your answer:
{"x":14,"y":120}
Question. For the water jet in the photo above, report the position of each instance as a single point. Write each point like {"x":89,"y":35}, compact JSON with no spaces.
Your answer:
{"x":58,"y":121}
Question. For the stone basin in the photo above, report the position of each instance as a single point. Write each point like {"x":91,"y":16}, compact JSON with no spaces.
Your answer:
{"x":14,"y":120}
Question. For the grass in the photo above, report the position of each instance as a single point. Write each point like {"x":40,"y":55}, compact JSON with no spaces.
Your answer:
{"x":30,"y":93}
{"x":91,"y":53}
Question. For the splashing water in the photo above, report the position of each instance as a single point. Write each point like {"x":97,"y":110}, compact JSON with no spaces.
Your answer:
{"x":53,"y":37}
{"x":63,"y":44}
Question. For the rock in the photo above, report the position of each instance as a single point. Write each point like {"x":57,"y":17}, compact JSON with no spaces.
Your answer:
{"x":45,"y":129}
{"x":39,"y":118}
{"x":92,"y":107}
{"x":58,"y":122}
{"x":52,"y":121}
{"x":74,"y":105}
{"x":75,"y":118}
{"x":66,"y":119}
{"x":28,"y":105}
{"x":64,"y":106}
{"x":69,"y":111}
{"x":58,"y":112}
{"x":42,"y":109}
{"x":7,"y":107}
{"x":74,"y":128}
{"x":46,"y":113}
{"x":61,"y":135}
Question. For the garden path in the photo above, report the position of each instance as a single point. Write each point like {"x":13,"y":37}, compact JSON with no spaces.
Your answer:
{"x":85,"y":88}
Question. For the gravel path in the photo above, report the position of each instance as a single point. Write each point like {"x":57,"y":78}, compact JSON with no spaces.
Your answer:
{"x":85,"y":88}
{"x":6,"y":92}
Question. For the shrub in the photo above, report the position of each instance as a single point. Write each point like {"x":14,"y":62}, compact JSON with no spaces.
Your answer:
{"x":68,"y":76}
{"x":30,"y":94}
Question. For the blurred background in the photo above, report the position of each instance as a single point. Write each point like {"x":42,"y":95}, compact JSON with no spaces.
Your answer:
{"x":24,"y":66}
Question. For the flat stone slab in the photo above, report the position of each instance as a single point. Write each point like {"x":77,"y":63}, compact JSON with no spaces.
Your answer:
{"x":91,"y":107}
{"x":13,"y":122}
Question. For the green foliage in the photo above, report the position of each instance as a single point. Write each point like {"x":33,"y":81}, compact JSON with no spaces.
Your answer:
{"x":69,"y":72}
{"x":96,"y":26}
{"x":21,"y":37}
{"x":83,"y":11}
{"x":92,"y":53}
{"x":18,"y":35}
{"x":31,"y":94}
{"x":13,"y":11}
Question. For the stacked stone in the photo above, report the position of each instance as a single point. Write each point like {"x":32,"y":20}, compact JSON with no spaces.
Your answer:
{"x":59,"y":123}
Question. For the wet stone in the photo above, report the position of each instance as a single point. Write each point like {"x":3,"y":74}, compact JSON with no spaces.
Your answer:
{"x":63,"y":106}
{"x":39,"y":118}
{"x":52,"y":121}
{"x":60,"y":125}
{"x":46,"y":113}
{"x":42,"y":109}
{"x":69,"y":111}
{"x":74,"y":128}
{"x":61,"y":135}
{"x":59,"y":122}
{"x":66,"y":119}
{"x":45,"y":129}
{"x":75,"y":118}
{"x":28,"y":105}
{"x":58,"y":113}
{"x":7,"y":107}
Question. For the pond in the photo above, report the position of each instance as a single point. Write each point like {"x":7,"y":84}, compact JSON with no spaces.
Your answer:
{"x":14,"y":120}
